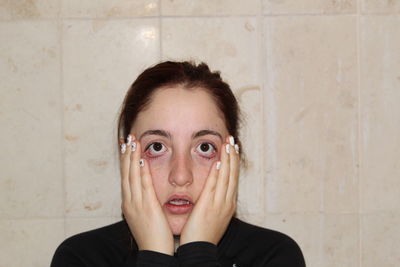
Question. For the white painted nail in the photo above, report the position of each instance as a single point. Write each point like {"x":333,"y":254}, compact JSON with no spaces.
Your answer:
{"x":218,"y":165}
{"x":227,"y":148}
{"x":123,"y":148}
{"x":133,"y":146}
{"x":141,"y":163}
{"x":231,"y":140}
{"x":237,"y":149}
{"x":129,"y":140}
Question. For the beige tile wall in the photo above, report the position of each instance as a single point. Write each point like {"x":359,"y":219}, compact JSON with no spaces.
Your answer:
{"x":319,"y":85}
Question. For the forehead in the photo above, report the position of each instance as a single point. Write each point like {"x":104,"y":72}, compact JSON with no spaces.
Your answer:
{"x":178,"y":108}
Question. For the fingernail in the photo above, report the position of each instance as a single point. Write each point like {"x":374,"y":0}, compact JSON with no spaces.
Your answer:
{"x":218,"y":165}
{"x":237,"y":149}
{"x":231,"y":140}
{"x":141,"y":163}
{"x":123,"y":148}
{"x":129,"y":140}
{"x":133,"y":146}
{"x":227,"y":148}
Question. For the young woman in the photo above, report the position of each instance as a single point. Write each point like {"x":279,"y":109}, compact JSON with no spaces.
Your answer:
{"x":180,"y":158}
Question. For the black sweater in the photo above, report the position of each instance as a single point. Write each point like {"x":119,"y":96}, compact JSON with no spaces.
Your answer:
{"x":242,"y":245}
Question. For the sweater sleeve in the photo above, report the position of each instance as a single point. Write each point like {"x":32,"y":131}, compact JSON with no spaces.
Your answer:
{"x":148,"y":258}
{"x":287,"y":253}
{"x":196,"y":254}
{"x":66,"y":257}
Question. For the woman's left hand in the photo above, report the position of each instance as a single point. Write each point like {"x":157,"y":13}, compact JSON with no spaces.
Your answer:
{"x":217,"y":203}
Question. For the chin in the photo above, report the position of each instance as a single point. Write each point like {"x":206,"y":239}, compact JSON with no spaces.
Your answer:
{"x":176,"y":223}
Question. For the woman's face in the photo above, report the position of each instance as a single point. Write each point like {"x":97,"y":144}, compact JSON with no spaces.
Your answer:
{"x":181,"y":132}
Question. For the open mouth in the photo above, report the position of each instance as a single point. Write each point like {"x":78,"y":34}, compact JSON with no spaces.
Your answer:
{"x":179,"y":204}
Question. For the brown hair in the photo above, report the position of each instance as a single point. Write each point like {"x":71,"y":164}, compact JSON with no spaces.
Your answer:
{"x":188,"y":75}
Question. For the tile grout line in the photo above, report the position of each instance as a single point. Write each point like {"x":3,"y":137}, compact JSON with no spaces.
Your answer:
{"x":61,"y":88}
{"x":159,"y":30}
{"x":192,"y":16}
{"x":261,"y":70}
{"x":358,"y":40}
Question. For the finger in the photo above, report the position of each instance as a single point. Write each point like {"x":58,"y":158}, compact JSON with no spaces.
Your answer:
{"x":134,"y":171}
{"x":147,"y":182}
{"x":233,"y":175}
{"x":124,"y":168}
{"x":223,"y":176}
{"x":145,"y":176}
{"x":211,"y":182}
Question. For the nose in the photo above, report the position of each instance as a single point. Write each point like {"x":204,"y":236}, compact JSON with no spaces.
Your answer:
{"x":181,"y":171}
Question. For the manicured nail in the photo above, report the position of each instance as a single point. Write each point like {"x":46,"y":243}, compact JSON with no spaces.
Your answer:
{"x":133,"y":146}
{"x":218,"y":165}
{"x":129,"y":140}
{"x":141,"y":163}
{"x":227,"y":148}
{"x":231,"y":140}
{"x":237,"y":149}
{"x":123,"y":148}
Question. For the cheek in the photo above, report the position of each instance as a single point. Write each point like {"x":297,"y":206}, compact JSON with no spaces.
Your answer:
{"x":159,"y":170}
{"x":202,"y":169}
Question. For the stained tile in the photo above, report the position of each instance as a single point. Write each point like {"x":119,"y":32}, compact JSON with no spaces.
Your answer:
{"x":109,"y":9}
{"x":381,"y":6}
{"x":309,"y":6}
{"x":29,"y":242}
{"x":27,"y":9}
{"x":101,"y":60}
{"x":233,"y":51}
{"x":380,"y":123}
{"x":251,"y":180}
{"x":380,"y":236}
{"x":75,"y":226}
{"x":31,"y":180}
{"x":310,"y":107}
{"x":210,"y":7}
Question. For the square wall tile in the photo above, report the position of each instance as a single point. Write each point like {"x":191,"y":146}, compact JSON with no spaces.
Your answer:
{"x":380,"y":120}
{"x":309,"y":6}
{"x":29,"y":242}
{"x":28,"y":9}
{"x":100,"y":61}
{"x":304,"y":228}
{"x":31,"y":180}
{"x":341,"y":240}
{"x":380,"y":6}
{"x":209,"y":7}
{"x":109,"y":9}
{"x":380,"y":235}
{"x":229,"y":45}
{"x":311,"y":114}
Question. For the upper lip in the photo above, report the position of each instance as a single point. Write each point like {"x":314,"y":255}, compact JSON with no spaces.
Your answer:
{"x":180,"y":196}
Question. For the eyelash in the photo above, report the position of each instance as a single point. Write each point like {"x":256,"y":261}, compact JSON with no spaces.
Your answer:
{"x":207,"y":158}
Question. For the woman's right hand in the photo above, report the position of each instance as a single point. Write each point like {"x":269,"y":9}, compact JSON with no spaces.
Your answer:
{"x":140,"y":205}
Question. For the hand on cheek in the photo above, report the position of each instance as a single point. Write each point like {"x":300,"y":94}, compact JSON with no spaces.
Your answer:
{"x":217,"y":202}
{"x":140,"y":206}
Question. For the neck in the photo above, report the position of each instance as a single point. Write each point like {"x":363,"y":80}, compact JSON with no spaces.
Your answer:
{"x":176,"y":241}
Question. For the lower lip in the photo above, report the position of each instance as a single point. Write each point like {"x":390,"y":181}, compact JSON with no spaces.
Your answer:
{"x":178,"y":209}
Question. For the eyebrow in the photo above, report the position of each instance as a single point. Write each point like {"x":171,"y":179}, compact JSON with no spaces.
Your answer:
{"x":206,"y":132}
{"x":168,"y":135}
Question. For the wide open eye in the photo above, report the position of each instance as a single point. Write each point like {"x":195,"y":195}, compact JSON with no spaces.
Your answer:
{"x":156,"y":148}
{"x":206,"y":149}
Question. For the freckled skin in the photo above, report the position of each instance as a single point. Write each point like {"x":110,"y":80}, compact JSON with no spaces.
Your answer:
{"x":181,"y":112}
